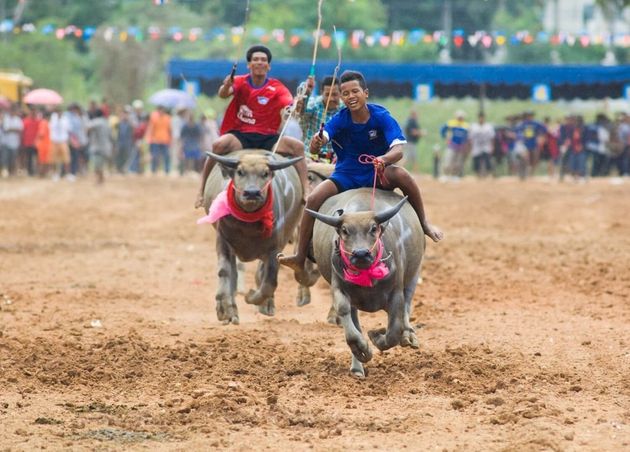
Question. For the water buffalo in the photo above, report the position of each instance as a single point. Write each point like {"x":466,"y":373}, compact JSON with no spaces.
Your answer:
{"x":371,"y":260}
{"x":254,"y":185}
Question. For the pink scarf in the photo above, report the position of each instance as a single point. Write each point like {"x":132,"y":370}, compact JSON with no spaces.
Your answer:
{"x":224,"y":205}
{"x":364,"y":276}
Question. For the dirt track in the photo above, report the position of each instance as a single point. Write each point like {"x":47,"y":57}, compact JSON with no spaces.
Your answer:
{"x":525,"y":314}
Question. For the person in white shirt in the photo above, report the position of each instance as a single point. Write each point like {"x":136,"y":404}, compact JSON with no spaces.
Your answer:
{"x":482,"y":142}
{"x":59,"y":137}
{"x":11,"y":137}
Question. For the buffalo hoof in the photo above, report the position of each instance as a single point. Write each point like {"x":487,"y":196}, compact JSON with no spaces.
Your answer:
{"x":356,"y":369}
{"x":303,"y":297}
{"x":379,"y":339}
{"x":227,"y":312}
{"x":361,"y":351}
{"x":267,"y":308}
{"x":409,"y":339}
{"x":254,"y":297}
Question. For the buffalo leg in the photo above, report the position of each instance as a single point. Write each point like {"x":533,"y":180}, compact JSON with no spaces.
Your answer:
{"x":240,"y":279}
{"x":409,"y":338}
{"x":356,"y":366}
{"x":358,"y":345}
{"x":267,"y":275}
{"x":395,"y":316}
{"x":227,"y":311}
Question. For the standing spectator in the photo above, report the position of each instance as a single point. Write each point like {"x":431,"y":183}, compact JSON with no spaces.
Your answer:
{"x":43,"y":144}
{"x":531,"y":132}
{"x":30,"y":124}
{"x":572,"y":148}
{"x":209,"y":130}
{"x":596,"y":141}
{"x":159,"y":137}
{"x":622,"y":159}
{"x":59,"y":136}
{"x":124,"y":141}
{"x":78,"y":140}
{"x":190,"y":137}
{"x":549,"y":146}
{"x":92,"y":107}
{"x":11,"y":136}
{"x":100,"y":138}
{"x":413,"y":133}
{"x":455,"y":131}
{"x":482,"y":140}
{"x":177,"y":122}
{"x":140,"y":122}
{"x":312,"y":113}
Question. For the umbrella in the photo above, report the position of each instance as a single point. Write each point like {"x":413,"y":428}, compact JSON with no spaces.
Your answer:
{"x":43,"y":97}
{"x":173,"y":98}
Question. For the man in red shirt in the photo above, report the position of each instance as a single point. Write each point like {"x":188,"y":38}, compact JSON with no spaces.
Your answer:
{"x":254,"y":115}
{"x":30,"y":125}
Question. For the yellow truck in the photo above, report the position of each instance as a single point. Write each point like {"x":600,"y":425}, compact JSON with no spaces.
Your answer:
{"x":13,"y":84}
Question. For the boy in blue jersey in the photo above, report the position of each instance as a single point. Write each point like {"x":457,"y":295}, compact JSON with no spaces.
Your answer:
{"x":360,"y":128}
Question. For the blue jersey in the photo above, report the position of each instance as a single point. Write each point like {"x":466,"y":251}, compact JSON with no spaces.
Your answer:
{"x":350,"y":140}
{"x":456,"y":133}
{"x":528,"y":131}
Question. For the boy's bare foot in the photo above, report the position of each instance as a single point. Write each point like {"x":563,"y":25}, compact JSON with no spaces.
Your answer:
{"x":199,"y":201}
{"x":433,"y":232}
{"x":296,"y":264}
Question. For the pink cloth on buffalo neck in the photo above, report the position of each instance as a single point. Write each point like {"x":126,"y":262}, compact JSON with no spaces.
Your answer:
{"x":218,"y":209}
{"x":364,"y":276}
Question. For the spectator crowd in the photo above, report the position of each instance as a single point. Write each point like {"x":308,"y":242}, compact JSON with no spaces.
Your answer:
{"x":569,"y":147}
{"x":63,"y":143}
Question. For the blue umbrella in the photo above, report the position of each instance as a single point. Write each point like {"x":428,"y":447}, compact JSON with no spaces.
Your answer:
{"x":173,"y":98}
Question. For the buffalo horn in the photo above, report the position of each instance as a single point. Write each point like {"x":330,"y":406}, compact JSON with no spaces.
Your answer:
{"x":225,"y":161}
{"x":281,"y":164}
{"x":328,"y":219}
{"x":382,"y":217}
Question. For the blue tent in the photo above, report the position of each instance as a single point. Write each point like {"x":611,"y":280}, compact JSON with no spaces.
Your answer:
{"x":458,"y":80}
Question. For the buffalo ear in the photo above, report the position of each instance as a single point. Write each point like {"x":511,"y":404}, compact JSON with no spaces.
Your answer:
{"x":385,"y":215}
{"x":338,"y":212}
{"x":227,"y":172}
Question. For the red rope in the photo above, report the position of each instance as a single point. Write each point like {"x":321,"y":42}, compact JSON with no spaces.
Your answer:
{"x":379,"y":171}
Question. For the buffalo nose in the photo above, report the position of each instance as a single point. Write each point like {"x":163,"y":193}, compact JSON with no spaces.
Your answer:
{"x":361,"y":253}
{"x":252,"y":193}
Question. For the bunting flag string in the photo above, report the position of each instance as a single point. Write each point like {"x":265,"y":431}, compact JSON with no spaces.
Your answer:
{"x":347,"y":38}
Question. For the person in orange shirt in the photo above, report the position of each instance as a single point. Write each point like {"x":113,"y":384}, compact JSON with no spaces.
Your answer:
{"x":159,"y":136}
{"x":42,"y":144}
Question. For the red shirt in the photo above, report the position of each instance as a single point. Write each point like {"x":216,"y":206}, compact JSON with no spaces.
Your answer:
{"x":29,"y":131}
{"x":256,"y":109}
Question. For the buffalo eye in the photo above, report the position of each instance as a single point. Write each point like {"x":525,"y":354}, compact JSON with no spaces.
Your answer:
{"x":344,"y":230}
{"x":265,"y":174}
{"x":374,"y":229}
{"x":240,"y":172}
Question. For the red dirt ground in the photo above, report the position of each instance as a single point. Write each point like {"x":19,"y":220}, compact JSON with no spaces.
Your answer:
{"x":524,"y":314}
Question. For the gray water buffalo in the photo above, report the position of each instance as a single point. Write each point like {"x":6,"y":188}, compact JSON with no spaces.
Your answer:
{"x":371,"y":260}
{"x":255,"y":176}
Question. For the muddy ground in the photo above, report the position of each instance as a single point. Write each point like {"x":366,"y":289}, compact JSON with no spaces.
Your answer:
{"x":109,"y":338}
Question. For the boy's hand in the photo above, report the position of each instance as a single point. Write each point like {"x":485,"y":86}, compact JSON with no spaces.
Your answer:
{"x":317,"y":142}
{"x":379,"y":164}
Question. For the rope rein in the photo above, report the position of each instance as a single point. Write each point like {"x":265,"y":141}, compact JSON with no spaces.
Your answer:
{"x":379,"y":172}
